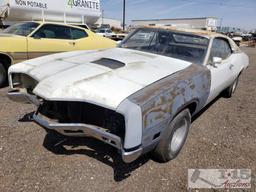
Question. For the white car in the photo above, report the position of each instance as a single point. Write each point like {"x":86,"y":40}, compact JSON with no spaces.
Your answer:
{"x":139,"y":97}
{"x":105,"y":32}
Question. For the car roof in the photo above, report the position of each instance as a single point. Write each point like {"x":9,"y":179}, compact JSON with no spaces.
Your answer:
{"x":204,"y":33}
{"x":63,"y":24}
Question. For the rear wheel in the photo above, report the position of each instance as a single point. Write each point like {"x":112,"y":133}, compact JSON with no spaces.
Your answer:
{"x":3,"y":75}
{"x":173,"y":138}
{"x":229,"y":92}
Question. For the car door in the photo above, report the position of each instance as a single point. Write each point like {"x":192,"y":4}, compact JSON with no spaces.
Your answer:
{"x":49,"y":39}
{"x":81,"y":40}
{"x":238,"y":61}
{"x":221,"y":73}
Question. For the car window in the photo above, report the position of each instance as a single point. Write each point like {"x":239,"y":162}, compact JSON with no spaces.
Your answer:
{"x":189,"y":39}
{"x":141,"y":39}
{"x":220,"y":48}
{"x":78,"y":33}
{"x":23,"y":29}
{"x":183,"y":46}
{"x":50,"y":31}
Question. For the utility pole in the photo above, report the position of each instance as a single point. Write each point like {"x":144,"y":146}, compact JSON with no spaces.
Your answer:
{"x":221,"y":20}
{"x":124,"y":14}
{"x":102,"y":17}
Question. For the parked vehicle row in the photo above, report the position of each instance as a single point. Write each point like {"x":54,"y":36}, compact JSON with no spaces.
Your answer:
{"x":29,"y":40}
{"x":106,"y":32}
{"x":139,"y":97}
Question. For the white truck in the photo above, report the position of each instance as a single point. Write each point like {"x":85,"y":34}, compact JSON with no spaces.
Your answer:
{"x":69,"y":11}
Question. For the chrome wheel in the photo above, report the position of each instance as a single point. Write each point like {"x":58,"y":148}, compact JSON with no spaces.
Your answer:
{"x":174,"y":137}
{"x":179,"y":136}
{"x":234,"y":86}
{"x":229,"y":92}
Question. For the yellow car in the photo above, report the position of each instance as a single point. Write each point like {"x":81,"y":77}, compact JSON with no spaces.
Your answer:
{"x":34,"y":39}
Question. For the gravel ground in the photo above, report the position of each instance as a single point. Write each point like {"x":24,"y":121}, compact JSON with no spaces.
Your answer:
{"x":32,"y":160}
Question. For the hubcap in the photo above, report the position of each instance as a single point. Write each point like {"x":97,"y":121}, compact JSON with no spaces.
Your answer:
{"x":234,"y":86}
{"x":178,"y":136}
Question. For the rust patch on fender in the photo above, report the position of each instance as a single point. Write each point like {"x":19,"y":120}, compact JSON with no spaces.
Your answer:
{"x":165,"y":84}
{"x":161,"y":100}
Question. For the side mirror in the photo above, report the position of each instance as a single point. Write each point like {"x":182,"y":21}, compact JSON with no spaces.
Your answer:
{"x":233,"y":50}
{"x":217,"y":60}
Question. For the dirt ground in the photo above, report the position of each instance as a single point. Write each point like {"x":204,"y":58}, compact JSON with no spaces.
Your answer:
{"x":224,"y":136}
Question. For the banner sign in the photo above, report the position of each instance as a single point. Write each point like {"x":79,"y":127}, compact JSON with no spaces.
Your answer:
{"x":90,"y":5}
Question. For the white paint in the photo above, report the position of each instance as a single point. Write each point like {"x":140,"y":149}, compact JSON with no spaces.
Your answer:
{"x":72,"y":77}
{"x":224,"y":74}
{"x":133,"y":123}
{"x":221,"y":78}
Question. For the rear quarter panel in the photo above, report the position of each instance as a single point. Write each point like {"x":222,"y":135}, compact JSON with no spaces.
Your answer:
{"x":14,"y":47}
{"x":94,"y":41}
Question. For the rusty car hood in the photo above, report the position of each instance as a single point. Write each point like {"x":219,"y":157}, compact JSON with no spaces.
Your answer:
{"x":78,"y":76}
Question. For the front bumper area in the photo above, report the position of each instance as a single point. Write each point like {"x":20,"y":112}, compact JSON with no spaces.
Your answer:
{"x":17,"y":96}
{"x":75,"y":129}
{"x":82,"y":130}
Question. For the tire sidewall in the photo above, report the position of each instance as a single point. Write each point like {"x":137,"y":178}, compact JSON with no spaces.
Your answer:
{"x":230,"y":91}
{"x":233,"y":90}
{"x":3,"y":75}
{"x":171,"y":130}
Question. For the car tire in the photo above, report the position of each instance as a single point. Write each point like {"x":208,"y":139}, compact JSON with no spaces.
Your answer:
{"x":229,"y":92}
{"x":173,"y":138}
{"x":3,"y":75}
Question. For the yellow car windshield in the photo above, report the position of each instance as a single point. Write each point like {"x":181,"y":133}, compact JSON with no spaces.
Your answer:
{"x":23,"y":29}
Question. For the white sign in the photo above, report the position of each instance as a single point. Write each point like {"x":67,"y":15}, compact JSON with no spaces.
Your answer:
{"x":212,"y":22}
{"x":31,"y":4}
{"x":93,"y":5}
{"x":44,"y":4}
{"x":219,"y":178}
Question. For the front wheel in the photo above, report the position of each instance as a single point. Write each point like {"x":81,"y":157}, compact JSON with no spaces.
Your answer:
{"x":174,"y":137}
{"x":3,"y":75}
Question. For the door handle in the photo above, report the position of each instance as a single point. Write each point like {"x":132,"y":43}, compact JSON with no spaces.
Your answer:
{"x":72,"y":43}
{"x":231,"y":66}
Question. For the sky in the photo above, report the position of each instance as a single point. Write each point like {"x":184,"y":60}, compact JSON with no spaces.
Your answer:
{"x":234,"y":13}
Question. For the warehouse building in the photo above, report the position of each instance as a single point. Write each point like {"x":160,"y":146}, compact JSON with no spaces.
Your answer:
{"x":206,"y":23}
{"x":229,"y":30}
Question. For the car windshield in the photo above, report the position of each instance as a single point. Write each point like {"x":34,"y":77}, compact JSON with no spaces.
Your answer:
{"x":23,"y":29}
{"x":188,"y":47}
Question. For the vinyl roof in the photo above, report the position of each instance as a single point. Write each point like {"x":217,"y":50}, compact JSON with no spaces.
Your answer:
{"x":192,"y":31}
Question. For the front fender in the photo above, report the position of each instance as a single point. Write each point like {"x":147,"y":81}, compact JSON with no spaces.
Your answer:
{"x":162,"y":100}
{"x":133,"y":124}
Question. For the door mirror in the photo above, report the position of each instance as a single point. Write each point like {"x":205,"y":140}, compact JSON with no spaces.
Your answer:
{"x":217,"y":60}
